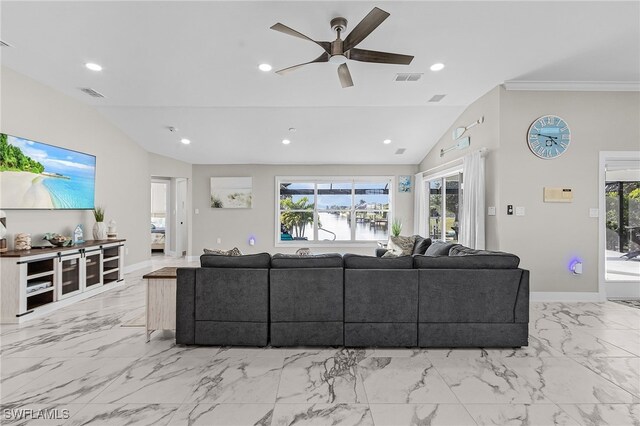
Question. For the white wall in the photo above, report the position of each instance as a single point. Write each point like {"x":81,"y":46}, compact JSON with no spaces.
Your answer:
{"x":485,"y":135}
{"x":549,"y":235}
{"x":235,"y":226}
{"x":37,"y":112}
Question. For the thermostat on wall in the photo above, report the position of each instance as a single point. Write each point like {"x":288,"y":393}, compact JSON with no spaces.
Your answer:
{"x":558,"y":195}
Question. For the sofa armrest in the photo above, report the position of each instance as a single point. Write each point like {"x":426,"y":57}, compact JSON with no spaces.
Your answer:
{"x":186,"y":306}
{"x":380,"y":251}
{"x":521,"y":310}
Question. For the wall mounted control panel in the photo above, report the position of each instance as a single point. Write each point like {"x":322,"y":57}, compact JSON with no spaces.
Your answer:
{"x":558,"y":195}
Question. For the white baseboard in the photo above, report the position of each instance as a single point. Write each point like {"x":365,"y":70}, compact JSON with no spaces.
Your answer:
{"x":623,"y":290}
{"x":136,"y":266}
{"x":558,"y":296}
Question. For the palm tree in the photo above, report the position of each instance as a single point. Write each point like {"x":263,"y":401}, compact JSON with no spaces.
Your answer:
{"x":296,"y":215}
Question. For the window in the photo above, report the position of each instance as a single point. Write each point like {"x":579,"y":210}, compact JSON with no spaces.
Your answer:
{"x":443,"y":202}
{"x":321,"y":210}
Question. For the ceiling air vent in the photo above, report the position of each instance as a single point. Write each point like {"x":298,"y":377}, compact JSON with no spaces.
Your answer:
{"x":436,"y":98}
{"x":400,"y":151}
{"x":408,"y":76}
{"x":89,"y":91}
{"x":3,"y":44}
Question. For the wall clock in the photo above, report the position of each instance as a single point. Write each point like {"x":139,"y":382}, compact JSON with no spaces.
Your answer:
{"x":549,"y":137}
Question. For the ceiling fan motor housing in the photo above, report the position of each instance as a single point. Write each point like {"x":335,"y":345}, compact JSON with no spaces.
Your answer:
{"x":339,"y":24}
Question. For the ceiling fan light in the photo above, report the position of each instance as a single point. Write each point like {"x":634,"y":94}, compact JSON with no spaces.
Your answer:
{"x":93,"y":67}
{"x":338,"y":59}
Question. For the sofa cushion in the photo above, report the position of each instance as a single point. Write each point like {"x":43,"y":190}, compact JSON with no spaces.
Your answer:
{"x":233,"y":252}
{"x":328,"y":260}
{"x":356,"y":261}
{"x":507,"y":259}
{"x":480,"y":261}
{"x":421,"y":245}
{"x":400,"y":246}
{"x":439,"y":248}
{"x":260,"y":260}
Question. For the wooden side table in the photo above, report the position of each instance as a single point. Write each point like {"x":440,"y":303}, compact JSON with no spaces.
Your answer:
{"x":161,"y":300}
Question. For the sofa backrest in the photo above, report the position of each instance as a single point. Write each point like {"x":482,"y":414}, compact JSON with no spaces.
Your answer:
{"x":328,"y":260}
{"x":508,"y":260}
{"x":356,"y":261}
{"x":480,"y":261}
{"x":259,"y":261}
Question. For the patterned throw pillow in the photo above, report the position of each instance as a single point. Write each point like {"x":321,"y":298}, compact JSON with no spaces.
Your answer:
{"x":233,"y":252}
{"x":303,"y":252}
{"x":400,"y":246}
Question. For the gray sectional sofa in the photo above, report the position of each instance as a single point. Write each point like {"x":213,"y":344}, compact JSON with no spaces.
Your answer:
{"x":457,"y":297}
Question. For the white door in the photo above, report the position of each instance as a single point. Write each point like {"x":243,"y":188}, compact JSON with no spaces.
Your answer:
{"x":181,"y":218}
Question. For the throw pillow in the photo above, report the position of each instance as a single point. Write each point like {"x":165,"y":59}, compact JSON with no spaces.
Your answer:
{"x":439,"y":248}
{"x":421,"y":245}
{"x":389,"y":254}
{"x":233,"y":252}
{"x":303,"y":252}
{"x":401,"y":246}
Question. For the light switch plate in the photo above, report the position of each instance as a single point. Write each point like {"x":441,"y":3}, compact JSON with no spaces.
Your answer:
{"x":519,"y":211}
{"x":197,"y":211}
{"x":594,"y":212}
{"x":491,"y":211}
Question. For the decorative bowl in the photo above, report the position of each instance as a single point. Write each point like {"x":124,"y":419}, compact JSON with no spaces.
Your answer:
{"x":59,"y":240}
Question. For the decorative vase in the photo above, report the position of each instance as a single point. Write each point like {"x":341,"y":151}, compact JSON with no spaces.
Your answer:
{"x":99,"y":231}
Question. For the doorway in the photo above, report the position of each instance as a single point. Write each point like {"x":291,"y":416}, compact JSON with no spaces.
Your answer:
{"x":620,"y":224}
{"x":182,"y":234}
{"x":160,"y":224}
{"x":443,"y":201}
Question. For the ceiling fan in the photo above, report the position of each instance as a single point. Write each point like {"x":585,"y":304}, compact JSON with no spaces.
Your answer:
{"x":339,"y":51}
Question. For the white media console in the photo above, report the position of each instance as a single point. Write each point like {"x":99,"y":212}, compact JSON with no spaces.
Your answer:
{"x":37,"y":281}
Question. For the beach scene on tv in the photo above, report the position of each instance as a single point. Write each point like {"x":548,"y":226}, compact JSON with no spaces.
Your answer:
{"x":35,"y":175}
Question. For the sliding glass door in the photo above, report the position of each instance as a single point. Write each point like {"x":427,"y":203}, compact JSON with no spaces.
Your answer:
{"x":443,"y":196}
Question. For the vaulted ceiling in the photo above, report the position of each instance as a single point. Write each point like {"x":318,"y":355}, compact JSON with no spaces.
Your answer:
{"x":194,"y":66}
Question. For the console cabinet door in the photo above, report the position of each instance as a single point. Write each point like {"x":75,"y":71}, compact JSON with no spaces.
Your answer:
{"x":69,"y":275}
{"x":93,"y":269}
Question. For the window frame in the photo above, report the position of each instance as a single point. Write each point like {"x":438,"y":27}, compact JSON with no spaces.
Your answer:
{"x":330,"y":179}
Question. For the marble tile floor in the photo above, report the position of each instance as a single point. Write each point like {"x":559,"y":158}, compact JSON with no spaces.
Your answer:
{"x":582,"y":367}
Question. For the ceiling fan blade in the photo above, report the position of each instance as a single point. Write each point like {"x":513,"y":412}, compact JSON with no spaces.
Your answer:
{"x":380,"y":57}
{"x":365,"y":27}
{"x":345,"y":76}
{"x":322,"y":58}
{"x":290,"y":31}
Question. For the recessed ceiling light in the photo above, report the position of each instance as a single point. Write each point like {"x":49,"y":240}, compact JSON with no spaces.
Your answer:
{"x":386,"y":141}
{"x":437,"y":67}
{"x":264,"y":67}
{"x":286,"y":141}
{"x":185,"y":141}
{"x":93,"y":67}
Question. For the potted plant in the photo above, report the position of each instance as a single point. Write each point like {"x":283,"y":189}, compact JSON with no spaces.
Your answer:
{"x":99,"y":228}
{"x":396,"y":228}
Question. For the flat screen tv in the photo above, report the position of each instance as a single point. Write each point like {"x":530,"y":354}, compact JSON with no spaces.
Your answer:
{"x":34,"y":175}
